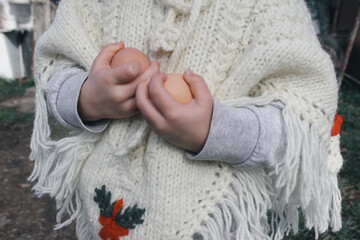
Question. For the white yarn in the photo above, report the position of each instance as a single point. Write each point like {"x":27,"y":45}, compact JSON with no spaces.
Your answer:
{"x":185,"y":35}
{"x":249,"y":52}
{"x":237,"y":215}
{"x":57,"y":164}
{"x":166,"y":34}
{"x":293,"y":191}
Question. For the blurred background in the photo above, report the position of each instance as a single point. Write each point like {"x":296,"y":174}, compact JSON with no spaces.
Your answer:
{"x":24,"y":216}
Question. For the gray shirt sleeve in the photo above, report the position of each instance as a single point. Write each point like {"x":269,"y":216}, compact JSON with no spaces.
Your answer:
{"x":62,"y":100}
{"x":245,"y":137}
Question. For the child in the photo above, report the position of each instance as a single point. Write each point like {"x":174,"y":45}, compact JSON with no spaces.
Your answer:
{"x":265,"y":97}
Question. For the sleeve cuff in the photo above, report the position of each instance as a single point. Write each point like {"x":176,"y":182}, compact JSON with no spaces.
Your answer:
{"x":271,"y":145}
{"x":233,"y":135}
{"x":54,"y":85}
{"x":67,"y":104}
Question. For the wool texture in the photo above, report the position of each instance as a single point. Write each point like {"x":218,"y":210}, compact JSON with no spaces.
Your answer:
{"x":248,"y":52}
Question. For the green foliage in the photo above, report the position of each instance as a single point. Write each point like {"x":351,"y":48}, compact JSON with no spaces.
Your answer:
{"x":9,"y":116}
{"x":349,"y":109}
{"x":103,"y":199}
{"x":130,"y":217}
{"x":14,"y":87}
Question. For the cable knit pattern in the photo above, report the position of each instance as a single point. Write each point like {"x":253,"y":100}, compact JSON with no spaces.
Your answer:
{"x":249,"y":52}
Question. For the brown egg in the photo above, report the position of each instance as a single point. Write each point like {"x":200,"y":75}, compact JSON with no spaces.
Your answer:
{"x":178,"y":88}
{"x":127,"y":54}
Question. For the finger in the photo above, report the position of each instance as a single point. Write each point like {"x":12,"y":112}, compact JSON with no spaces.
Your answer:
{"x":145,"y":76}
{"x":146,"y":107}
{"x":198,"y":87}
{"x":124,"y":109}
{"x":129,"y":105}
{"x":148,"y":73}
{"x":160,"y":96}
{"x":127,"y":83}
{"x":126,"y":72}
{"x":129,"y":108}
{"x":106,"y":55}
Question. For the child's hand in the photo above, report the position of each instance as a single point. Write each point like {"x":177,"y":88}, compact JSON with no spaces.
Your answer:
{"x":186,"y":126}
{"x":110,"y":92}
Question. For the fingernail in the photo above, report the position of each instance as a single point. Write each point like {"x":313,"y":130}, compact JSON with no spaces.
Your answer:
{"x":189,"y":72}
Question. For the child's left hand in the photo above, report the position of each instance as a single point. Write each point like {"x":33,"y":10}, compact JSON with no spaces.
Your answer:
{"x":186,"y":126}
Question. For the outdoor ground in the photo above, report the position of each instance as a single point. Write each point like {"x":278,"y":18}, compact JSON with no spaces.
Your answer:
{"x":24,"y":216}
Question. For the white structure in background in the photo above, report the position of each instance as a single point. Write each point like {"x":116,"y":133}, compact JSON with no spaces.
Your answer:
{"x":16,"y":26}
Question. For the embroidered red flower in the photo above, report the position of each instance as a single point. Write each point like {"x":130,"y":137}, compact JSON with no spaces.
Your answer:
{"x":337,"y":125}
{"x":116,"y":223}
{"x":110,"y":228}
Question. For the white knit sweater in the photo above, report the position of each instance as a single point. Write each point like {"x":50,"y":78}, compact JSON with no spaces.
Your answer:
{"x":249,"y":52}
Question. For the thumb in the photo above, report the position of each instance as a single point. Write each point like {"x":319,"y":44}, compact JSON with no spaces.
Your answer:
{"x":103,"y":59}
{"x":198,"y":87}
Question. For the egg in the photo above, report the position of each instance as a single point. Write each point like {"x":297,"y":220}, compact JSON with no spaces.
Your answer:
{"x":178,"y":88}
{"x":127,"y":54}
{"x":174,"y":84}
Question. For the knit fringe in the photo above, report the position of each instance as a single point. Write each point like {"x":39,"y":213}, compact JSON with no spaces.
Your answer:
{"x":334,"y":164}
{"x":301,"y":181}
{"x":84,"y":229}
{"x":336,"y":222}
{"x":243,"y":212}
{"x":57,"y":164}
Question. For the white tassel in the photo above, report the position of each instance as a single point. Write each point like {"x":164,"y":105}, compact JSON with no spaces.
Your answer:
{"x":83,"y":225}
{"x":57,"y":163}
{"x":334,"y":164}
{"x":302,"y":180}
{"x":244,"y":209}
{"x":240,"y":212}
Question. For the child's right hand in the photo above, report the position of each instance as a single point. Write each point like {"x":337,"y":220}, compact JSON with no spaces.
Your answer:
{"x":110,"y":92}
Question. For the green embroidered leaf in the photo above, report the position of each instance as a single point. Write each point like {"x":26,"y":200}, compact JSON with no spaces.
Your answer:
{"x":130,"y":217}
{"x":103,"y":199}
